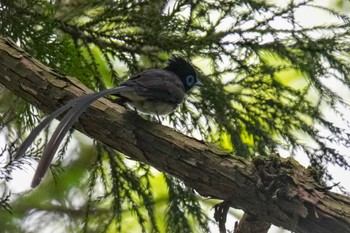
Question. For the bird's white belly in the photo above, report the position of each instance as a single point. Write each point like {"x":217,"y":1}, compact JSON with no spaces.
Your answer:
{"x":152,"y":107}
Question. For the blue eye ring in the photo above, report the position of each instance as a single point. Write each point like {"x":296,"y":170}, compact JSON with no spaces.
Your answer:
{"x":190,"y":80}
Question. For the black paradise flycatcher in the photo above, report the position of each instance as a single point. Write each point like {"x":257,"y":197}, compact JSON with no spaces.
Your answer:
{"x":154,"y":91}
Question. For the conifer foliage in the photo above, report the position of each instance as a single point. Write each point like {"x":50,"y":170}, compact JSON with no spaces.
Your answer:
{"x":267,"y":91}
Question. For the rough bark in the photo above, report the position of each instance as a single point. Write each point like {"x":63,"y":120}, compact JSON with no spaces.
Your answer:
{"x":250,"y":224}
{"x":275,"y":190}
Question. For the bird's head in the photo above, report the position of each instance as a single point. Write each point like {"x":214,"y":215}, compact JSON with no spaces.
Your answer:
{"x":185,"y":71}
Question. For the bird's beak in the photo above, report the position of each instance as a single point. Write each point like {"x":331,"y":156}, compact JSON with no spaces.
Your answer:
{"x":199,"y":83}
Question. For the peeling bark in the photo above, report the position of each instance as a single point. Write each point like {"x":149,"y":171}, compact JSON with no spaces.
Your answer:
{"x":275,"y":190}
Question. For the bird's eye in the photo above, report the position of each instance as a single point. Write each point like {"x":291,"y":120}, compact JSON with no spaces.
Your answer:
{"x":189,"y":80}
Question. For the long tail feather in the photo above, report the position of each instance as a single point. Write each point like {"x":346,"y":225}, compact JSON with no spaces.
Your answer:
{"x":66,"y":123}
{"x":35,"y":132}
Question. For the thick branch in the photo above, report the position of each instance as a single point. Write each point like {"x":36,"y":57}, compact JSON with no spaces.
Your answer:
{"x":278,"y":191}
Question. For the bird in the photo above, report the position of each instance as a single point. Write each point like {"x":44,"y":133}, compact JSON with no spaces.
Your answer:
{"x":153,"y":91}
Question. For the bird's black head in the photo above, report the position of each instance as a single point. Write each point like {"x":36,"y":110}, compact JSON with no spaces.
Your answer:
{"x":184,"y":70}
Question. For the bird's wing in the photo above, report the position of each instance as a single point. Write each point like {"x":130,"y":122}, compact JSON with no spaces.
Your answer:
{"x":160,"y":85}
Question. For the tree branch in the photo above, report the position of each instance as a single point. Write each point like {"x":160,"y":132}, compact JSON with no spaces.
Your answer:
{"x":275,"y":190}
